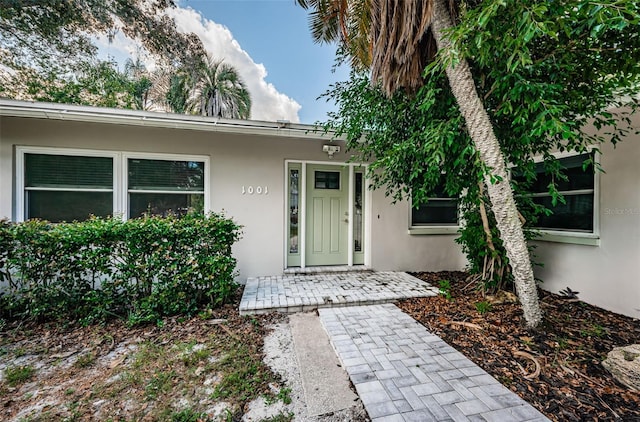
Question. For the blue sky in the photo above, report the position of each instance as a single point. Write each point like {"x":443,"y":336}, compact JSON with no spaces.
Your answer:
{"x":276,"y":34}
{"x":268,"y":42}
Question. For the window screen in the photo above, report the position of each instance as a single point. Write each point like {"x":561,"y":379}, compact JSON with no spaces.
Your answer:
{"x":67,"y":187}
{"x":440,"y":210}
{"x":577,"y":213}
{"x":165,"y":187}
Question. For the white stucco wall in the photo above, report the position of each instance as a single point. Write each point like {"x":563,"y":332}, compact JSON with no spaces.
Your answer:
{"x":607,"y":275}
{"x":395,"y":248}
{"x":235,"y":161}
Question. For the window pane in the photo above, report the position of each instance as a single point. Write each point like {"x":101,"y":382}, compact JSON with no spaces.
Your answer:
{"x":163,"y":175}
{"x":357,"y":217}
{"x":576,"y":214}
{"x":294,"y":181}
{"x":577,"y":177}
{"x":68,"y":171}
{"x":164,"y":204}
{"x":443,"y":212}
{"x":327,"y":180}
{"x":68,"y":206}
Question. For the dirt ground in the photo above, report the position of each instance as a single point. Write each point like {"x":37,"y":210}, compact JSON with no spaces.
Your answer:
{"x":570,"y":383}
{"x":208,"y":367}
{"x":216,"y":366}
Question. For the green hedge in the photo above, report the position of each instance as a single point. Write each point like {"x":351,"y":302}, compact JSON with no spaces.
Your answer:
{"x":140,"y":269}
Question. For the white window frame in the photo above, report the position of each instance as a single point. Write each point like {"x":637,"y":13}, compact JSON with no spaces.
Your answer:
{"x":577,"y":237}
{"x":21,"y":182}
{"x":120,"y":174}
{"x":435,"y":228}
{"x":126,"y":156}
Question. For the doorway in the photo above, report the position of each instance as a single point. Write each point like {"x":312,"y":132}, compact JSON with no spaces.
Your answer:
{"x":325,"y":214}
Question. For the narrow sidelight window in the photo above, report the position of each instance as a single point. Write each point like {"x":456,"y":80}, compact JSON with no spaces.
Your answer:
{"x":358,"y":221}
{"x":294,"y":195}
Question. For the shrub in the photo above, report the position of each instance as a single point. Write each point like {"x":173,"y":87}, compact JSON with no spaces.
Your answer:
{"x":142,"y":269}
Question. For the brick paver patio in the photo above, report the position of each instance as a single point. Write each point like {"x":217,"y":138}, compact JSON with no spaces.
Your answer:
{"x":401,"y":371}
{"x":305,"y":292}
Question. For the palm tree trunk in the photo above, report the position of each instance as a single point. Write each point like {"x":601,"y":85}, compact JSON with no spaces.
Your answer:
{"x":500,"y":192}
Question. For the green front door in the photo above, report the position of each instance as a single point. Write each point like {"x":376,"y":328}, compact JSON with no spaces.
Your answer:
{"x":327,"y":221}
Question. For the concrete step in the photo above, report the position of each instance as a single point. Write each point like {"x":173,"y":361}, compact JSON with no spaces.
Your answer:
{"x":327,"y":269}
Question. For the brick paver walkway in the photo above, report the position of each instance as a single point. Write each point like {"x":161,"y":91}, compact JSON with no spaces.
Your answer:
{"x":402,"y":372}
{"x":297,"y":293}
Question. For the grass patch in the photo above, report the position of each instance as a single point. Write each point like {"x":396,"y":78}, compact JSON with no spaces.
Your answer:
{"x":160,"y":383}
{"x":162,"y":374}
{"x":193,"y":353}
{"x":85,"y":360}
{"x":445,"y":289}
{"x":563,"y":343}
{"x":16,"y":375}
{"x":245,"y":376}
{"x":595,"y":330}
{"x":148,"y":352}
{"x":483,"y":307}
{"x":284,"y":395}
{"x":184,"y":415}
{"x":280,"y":417}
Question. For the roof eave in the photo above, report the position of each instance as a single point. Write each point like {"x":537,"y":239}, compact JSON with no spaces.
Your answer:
{"x":56,"y":111}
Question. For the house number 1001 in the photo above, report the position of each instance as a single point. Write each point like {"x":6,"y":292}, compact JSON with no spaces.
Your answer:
{"x":258,"y":190}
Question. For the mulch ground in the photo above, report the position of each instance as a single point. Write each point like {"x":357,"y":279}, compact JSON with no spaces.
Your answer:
{"x":571,"y":385}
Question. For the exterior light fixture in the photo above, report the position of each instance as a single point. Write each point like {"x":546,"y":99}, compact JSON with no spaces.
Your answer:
{"x":330,"y":149}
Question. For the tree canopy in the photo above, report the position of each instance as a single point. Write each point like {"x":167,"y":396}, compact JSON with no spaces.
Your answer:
{"x":216,"y":90}
{"x":44,"y":33}
{"x":48,"y":52}
{"x":98,"y":84}
{"x":545,"y":72}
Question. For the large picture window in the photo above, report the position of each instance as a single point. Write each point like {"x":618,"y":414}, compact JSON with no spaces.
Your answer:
{"x":67,"y":187}
{"x":163,"y":187}
{"x":440,"y":210}
{"x":577,"y":213}
{"x":71,"y":185}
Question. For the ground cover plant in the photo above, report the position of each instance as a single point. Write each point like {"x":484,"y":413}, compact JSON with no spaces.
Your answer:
{"x":556,"y":368}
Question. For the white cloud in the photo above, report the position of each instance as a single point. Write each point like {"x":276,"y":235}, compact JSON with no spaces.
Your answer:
{"x":266,"y":102}
{"x":120,"y":48}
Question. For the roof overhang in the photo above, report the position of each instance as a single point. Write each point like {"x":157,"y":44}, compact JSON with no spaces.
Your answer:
{"x":56,"y":111}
